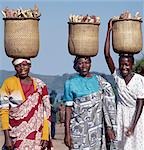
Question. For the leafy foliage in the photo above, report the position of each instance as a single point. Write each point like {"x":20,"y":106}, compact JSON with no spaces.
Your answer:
{"x":139,"y":67}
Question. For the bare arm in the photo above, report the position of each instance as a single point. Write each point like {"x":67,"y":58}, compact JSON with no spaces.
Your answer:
{"x":108,"y":57}
{"x":8,"y":141}
{"x":67,"y":140}
{"x":138,"y":111}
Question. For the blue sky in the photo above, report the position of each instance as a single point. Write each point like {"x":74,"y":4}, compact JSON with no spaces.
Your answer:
{"x":53,"y":57}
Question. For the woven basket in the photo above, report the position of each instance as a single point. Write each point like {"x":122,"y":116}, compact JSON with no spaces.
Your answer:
{"x":21,"y":37}
{"x":83,"y":39}
{"x":127,"y":36}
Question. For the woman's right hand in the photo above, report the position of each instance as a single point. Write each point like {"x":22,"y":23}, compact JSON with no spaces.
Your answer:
{"x":67,"y":141}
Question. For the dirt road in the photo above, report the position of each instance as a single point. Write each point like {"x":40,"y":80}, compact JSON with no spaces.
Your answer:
{"x":1,"y":139}
{"x":57,"y":143}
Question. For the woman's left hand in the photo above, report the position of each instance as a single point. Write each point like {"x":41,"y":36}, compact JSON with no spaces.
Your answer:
{"x":129,"y":131}
{"x":110,"y":134}
{"x":44,"y":144}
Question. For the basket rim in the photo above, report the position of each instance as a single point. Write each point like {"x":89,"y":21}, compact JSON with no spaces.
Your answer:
{"x":116,"y":20}
{"x":83,"y":23}
{"x":22,"y":18}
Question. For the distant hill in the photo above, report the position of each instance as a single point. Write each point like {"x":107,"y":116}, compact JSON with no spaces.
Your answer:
{"x":54,"y":82}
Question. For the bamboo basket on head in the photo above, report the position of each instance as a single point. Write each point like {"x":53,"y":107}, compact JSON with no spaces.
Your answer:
{"x":21,"y":37}
{"x":83,"y":39}
{"x":127,"y":36}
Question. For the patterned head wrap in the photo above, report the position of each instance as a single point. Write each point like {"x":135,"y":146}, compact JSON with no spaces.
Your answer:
{"x":75,"y":66}
{"x":17,"y":61}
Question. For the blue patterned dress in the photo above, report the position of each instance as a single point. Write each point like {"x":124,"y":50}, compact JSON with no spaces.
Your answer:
{"x":93,"y":103}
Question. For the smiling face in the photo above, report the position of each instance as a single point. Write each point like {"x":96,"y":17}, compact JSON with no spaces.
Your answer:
{"x":125,"y":66}
{"x":83,"y":66}
{"x":22,"y":69}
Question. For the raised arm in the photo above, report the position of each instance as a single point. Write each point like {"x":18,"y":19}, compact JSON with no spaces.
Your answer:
{"x":108,"y":57}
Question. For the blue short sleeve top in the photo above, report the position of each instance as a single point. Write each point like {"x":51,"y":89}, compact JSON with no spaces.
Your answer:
{"x":79,"y":86}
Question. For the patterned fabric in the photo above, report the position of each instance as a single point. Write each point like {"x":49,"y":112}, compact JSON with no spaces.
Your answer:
{"x":26,"y":119}
{"x":88,"y":116}
{"x":17,"y":61}
{"x":78,"y":86}
{"x":128,"y":95}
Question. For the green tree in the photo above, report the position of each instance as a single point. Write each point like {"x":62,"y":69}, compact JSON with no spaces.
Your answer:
{"x":139,"y":66}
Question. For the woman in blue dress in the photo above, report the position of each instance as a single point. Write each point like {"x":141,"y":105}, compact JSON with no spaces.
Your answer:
{"x":90,"y":103}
